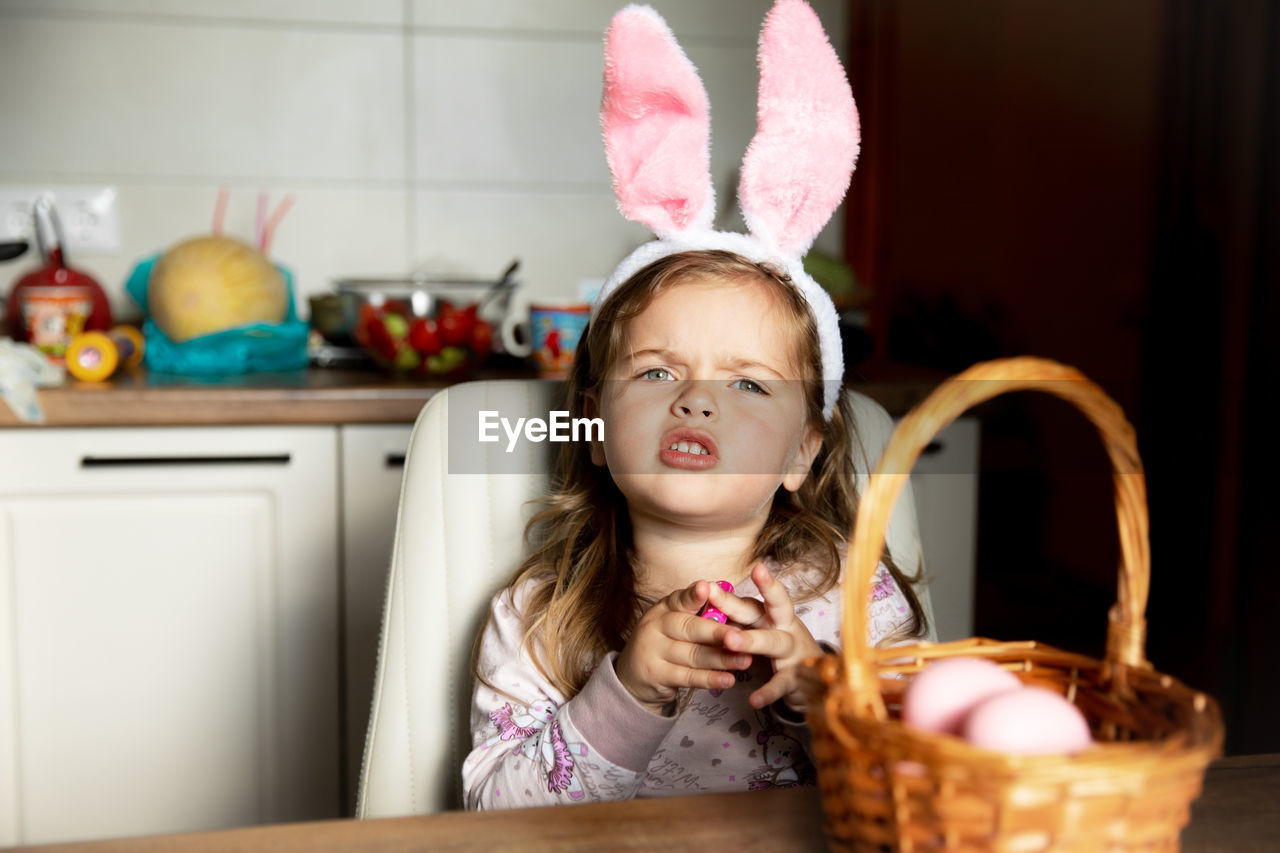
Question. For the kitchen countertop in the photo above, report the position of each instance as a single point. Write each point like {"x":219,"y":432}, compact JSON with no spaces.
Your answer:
{"x":312,"y":396}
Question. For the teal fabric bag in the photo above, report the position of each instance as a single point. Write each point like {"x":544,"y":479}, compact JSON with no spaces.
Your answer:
{"x":245,"y":349}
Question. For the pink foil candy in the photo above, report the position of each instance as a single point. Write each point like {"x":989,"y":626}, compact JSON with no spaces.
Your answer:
{"x":710,"y":612}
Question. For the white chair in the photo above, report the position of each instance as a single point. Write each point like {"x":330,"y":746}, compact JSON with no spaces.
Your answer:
{"x":459,"y":536}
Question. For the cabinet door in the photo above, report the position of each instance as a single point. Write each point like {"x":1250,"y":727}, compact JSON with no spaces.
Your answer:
{"x":372,"y":468}
{"x":168,"y":630}
{"x":945,"y":482}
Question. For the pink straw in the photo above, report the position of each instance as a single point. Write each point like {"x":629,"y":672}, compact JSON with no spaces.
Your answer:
{"x":274,"y":222}
{"x":259,"y":230}
{"x":220,"y":210}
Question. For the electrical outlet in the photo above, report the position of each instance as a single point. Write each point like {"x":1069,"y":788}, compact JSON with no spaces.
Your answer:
{"x":90,"y":221}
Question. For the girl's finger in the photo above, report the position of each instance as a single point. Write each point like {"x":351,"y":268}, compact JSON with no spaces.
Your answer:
{"x":744,"y":611}
{"x":685,"y":627}
{"x":773,"y":690}
{"x":706,"y":679}
{"x":694,"y":656}
{"x":777,"y":603}
{"x":770,"y":642}
{"x":690,"y":599}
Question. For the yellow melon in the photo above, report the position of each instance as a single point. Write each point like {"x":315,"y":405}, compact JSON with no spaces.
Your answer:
{"x":208,"y":284}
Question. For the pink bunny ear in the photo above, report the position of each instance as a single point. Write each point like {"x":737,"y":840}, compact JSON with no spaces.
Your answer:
{"x":797,"y":168}
{"x":657,"y":126}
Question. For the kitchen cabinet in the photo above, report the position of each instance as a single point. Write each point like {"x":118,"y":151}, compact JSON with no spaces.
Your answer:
{"x":168,"y":629}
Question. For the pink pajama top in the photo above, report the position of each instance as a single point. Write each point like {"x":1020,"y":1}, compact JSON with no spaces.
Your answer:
{"x":532,"y":746}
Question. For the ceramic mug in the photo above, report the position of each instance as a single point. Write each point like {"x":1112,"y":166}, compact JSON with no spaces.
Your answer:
{"x":551,"y":337}
{"x":52,"y":316}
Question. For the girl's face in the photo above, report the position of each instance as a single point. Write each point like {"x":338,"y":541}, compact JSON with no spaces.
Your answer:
{"x":705,"y":412}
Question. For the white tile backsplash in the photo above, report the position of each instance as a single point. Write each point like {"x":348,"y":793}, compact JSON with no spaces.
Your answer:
{"x":560,"y":237}
{"x":690,"y":20}
{"x":484,"y":115}
{"x":499,"y":110}
{"x":388,"y":13}
{"x":415,"y":133}
{"x":161,"y":100}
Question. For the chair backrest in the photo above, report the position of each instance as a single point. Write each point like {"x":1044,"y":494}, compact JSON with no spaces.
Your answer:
{"x":459,"y":537}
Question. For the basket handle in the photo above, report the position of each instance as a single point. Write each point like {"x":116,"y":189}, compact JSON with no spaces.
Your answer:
{"x":1126,"y":623}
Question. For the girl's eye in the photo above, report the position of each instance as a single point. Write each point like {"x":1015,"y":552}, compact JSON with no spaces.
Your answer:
{"x":657,"y":374}
{"x":748,"y":385}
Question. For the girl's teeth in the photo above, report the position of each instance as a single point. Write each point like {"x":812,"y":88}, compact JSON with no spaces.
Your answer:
{"x":690,"y":447}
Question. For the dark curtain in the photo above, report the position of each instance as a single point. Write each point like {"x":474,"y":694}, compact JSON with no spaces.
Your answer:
{"x":1094,"y":182}
{"x":1210,"y":363}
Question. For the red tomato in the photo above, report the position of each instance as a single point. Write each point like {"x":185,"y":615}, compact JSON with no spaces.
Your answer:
{"x":383,"y":343}
{"x":482,"y":339}
{"x":455,"y":328}
{"x":368,"y":314}
{"x":424,"y":336}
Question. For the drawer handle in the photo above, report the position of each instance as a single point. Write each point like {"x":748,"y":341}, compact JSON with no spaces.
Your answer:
{"x":395,"y":460}
{"x":933,"y":448}
{"x":163,"y":461}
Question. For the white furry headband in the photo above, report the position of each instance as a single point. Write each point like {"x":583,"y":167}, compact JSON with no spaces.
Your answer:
{"x":657,"y":133}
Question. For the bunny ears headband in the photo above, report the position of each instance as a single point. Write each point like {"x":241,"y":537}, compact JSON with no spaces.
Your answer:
{"x":657,"y":131}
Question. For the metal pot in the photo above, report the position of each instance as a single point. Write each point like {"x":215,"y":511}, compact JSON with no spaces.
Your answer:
{"x":421,"y":296}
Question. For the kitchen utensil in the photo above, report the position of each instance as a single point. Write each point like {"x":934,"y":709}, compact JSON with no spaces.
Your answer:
{"x":326,"y":314}
{"x":505,"y":284}
{"x":379,"y":313}
{"x":11,"y":249}
{"x":50,"y":305}
{"x":418,"y":296}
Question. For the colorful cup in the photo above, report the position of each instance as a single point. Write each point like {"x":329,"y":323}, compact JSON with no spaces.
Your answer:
{"x":554,"y":330}
{"x":53,"y":315}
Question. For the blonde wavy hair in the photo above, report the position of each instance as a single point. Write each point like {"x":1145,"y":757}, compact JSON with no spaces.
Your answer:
{"x":583,"y":601}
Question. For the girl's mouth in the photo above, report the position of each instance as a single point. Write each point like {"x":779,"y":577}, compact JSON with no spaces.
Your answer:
{"x":689,"y":450}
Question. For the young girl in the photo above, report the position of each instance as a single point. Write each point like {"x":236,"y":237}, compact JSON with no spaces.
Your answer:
{"x":715,"y":363}
{"x":588,"y":651}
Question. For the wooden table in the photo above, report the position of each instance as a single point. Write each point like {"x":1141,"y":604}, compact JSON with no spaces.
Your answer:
{"x":1239,"y":812}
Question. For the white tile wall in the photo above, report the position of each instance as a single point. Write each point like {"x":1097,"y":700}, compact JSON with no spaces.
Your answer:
{"x":165,"y":100}
{"x":416,"y":134}
{"x":389,"y":13}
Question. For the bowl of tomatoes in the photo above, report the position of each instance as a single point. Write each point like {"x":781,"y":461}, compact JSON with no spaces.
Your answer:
{"x":441,"y":327}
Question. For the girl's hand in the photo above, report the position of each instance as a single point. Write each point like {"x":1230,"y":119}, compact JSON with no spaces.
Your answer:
{"x":673,"y":647}
{"x":772,"y":630}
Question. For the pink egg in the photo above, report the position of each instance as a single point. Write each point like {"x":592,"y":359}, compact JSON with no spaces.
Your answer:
{"x":942,"y":694}
{"x":1030,"y":721}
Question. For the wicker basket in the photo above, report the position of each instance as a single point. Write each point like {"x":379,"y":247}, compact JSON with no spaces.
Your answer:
{"x":886,"y":786}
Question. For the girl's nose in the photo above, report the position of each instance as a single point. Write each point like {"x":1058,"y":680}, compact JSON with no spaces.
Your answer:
{"x":696,"y":401}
